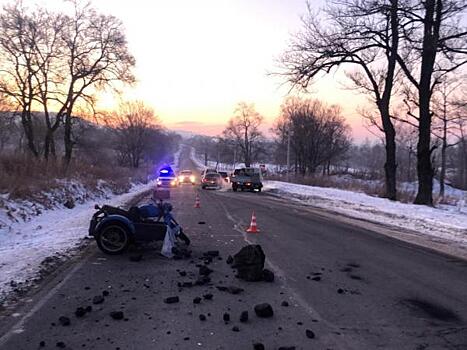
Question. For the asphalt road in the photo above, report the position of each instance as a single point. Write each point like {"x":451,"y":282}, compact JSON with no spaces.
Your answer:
{"x":353,"y":287}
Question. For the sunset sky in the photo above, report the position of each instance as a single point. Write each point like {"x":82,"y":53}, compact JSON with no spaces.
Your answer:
{"x":196,"y":59}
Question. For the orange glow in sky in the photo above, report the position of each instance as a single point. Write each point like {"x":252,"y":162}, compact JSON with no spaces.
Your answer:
{"x":196,"y":59}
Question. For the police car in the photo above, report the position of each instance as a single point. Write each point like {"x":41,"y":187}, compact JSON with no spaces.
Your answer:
{"x":167,"y":178}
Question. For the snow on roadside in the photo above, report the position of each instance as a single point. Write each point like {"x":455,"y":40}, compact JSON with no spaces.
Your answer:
{"x":24,"y":246}
{"x":444,"y":222}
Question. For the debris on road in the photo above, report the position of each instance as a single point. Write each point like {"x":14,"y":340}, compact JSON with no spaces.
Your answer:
{"x":98,"y":299}
{"x":172,"y":300}
{"x":230,"y":289}
{"x":310,"y":334}
{"x":264,"y":310}
{"x":208,"y":296}
{"x":268,"y":275}
{"x":244,"y":317}
{"x":117,"y":315}
{"x":249,"y":262}
{"x":64,"y":321}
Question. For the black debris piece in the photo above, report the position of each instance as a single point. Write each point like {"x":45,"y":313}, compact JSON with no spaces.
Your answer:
{"x":226,"y":317}
{"x":264,"y":310}
{"x":268,"y":275}
{"x":172,"y":300}
{"x":229,"y":260}
{"x":211,"y":253}
{"x":105,"y":293}
{"x":285,"y":303}
{"x":230,"y":289}
{"x":61,"y":345}
{"x":201,"y":222}
{"x":208,"y":296}
{"x":310,"y":334}
{"x":182,"y":273}
{"x":80,"y":312}
{"x":317,"y":278}
{"x":64,"y":321}
{"x":340,"y":291}
{"x":202,"y":280}
{"x":235,"y":329}
{"x":258,"y":346}
{"x":244,"y":317}
{"x":98,"y":299}
{"x":287,"y":348}
{"x":196,"y":300}
{"x":117,"y":315}
{"x":42,"y":344}
{"x":249,"y":262}
{"x":202,"y":317}
{"x":204,"y":270}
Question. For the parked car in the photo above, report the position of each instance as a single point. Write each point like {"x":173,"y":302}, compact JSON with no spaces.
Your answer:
{"x":207,"y":171}
{"x":247,"y":179}
{"x":224,"y":175}
{"x":167,"y":178}
{"x":211,"y":180}
{"x":186,"y":177}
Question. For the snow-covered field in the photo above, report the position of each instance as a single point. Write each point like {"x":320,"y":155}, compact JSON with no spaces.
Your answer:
{"x":35,"y":237}
{"x":445,"y":223}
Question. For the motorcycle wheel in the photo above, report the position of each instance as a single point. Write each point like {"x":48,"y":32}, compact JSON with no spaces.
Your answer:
{"x":113,"y":239}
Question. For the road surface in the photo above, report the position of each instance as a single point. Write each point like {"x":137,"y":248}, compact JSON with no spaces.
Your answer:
{"x":351,"y":286}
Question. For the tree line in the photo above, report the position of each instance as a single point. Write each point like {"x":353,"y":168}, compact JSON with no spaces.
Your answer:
{"x":54,"y":64}
{"x":401,"y":52}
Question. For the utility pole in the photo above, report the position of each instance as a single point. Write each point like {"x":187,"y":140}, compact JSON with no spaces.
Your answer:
{"x":235,"y":157}
{"x":288,"y":153}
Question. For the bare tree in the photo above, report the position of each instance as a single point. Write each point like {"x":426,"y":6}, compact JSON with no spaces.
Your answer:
{"x":318,"y":133}
{"x":134,"y":123}
{"x":363,"y":34}
{"x":435,"y":45}
{"x":447,"y":116}
{"x":243,"y":130}
{"x":97,"y":57}
{"x":18,"y":37}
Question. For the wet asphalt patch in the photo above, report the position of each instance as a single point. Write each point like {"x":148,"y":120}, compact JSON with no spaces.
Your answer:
{"x":433,"y":310}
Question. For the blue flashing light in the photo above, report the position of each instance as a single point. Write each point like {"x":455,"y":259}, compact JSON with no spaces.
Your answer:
{"x":164,"y":171}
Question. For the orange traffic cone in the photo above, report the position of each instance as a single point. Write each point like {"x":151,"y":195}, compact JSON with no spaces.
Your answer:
{"x":253,"y":228}
{"x":197,"y":202}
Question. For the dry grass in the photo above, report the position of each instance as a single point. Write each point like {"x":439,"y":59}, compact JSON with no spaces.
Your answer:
{"x":24,"y":177}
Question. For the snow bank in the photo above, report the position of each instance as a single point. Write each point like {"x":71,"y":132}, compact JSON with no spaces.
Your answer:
{"x":24,"y":246}
{"x":446,"y":222}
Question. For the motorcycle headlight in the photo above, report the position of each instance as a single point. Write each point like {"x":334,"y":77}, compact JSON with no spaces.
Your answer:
{"x":173,"y":183}
{"x":192,"y":178}
{"x":181,"y":178}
